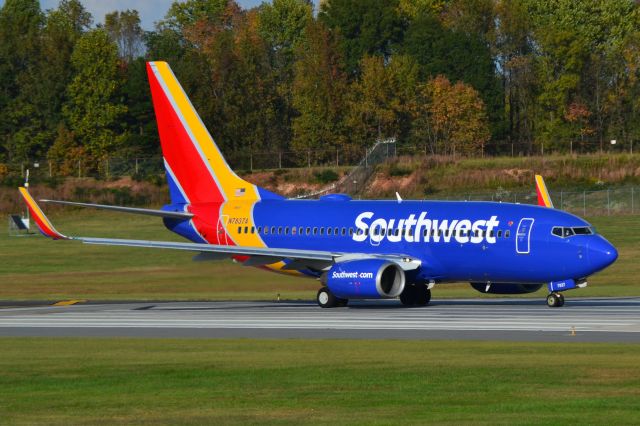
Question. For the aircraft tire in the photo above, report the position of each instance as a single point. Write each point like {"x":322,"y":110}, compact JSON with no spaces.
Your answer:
{"x":326,"y":299}
{"x":423,"y":295}
{"x":555,"y":300}
{"x":409,"y":295}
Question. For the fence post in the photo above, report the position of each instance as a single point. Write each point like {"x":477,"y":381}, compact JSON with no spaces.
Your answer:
{"x":584,"y":203}
{"x":50,"y":169}
{"x":337,"y":157}
{"x":309,"y":159}
{"x":632,"y":200}
{"x":106,"y":169}
{"x":79,"y":169}
{"x":280,"y":160}
{"x":561,"y":200}
{"x":251,"y":162}
{"x":608,"y":202}
{"x":136,"y":165}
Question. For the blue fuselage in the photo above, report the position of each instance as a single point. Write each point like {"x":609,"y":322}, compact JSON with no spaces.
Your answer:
{"x":455,"y":241}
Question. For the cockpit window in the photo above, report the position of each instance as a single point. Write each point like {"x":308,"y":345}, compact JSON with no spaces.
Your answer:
{"x":582,"y":230}
{"x":566,"y":232}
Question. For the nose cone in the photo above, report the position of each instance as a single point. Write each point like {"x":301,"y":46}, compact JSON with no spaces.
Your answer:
{"x":601,"y":253}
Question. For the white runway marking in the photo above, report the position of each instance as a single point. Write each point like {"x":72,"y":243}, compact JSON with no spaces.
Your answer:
{"x":585,"y":315}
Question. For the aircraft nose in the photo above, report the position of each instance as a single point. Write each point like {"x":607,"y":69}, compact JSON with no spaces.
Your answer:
{"x":601,"y":253}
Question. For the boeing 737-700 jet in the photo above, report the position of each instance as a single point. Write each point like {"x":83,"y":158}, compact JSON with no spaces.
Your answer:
{"x":355,"y":249}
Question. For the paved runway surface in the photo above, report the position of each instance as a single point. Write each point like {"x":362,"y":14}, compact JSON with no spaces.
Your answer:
{"x":594,"y":320}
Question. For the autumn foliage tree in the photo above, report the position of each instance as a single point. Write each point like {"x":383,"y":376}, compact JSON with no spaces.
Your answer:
{"x":450,"y":118}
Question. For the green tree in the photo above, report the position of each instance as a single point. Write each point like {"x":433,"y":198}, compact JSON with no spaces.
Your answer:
{"x":319,"y":89}
{"x":365,"y":27}
{"x":379,"y":99}
{"x":20,"y":28}
{"x":94,"y":110}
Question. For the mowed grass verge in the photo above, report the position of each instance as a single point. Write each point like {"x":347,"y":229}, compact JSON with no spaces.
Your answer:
{"x":37,"y":268}
{"x":140,"y":381}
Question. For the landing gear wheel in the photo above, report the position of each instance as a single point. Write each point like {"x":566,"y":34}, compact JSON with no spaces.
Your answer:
{"x":555,"y":300}
{"x":326,"y":299}
{"x":408,"y":295}
{"x":423,"y":295}
{"x":415,"y":295}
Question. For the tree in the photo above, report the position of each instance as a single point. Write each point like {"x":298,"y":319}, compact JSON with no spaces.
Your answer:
{"x":450,"y":118}
{"x":20,"y":27}
{"x":458,"y":56}
{"x":93,"y":110}
{"x":378,"y":100}
{"x":124,"y":29}
{"x":319,"y":89}
{"x":364,"y":27}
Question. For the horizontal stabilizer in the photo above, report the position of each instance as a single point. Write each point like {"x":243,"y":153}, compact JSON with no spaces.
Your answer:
{"x":133,"y":210}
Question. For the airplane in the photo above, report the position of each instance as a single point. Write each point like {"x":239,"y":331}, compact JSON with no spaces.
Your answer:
{"x":356,"y":249}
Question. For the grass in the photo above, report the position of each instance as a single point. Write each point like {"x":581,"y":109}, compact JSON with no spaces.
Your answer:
{"x":36,"y":268}
{"x":142,"y":381}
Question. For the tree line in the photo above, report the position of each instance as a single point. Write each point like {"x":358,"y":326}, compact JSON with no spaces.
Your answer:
{"x":448,"y":76}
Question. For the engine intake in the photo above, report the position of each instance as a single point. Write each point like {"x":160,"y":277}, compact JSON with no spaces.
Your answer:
{"x":365,"y":279}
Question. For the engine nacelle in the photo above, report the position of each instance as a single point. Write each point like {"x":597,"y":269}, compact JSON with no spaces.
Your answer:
{"x":365,"y":279}
{"x":508,"y":288}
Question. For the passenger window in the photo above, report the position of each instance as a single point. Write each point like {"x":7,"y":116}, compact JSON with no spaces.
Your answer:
{"x":266,"y":230}
{"x":273,"y":229}
{"x":336,"y":230}
{"x":344,"y":231}
{"x":351,"y":231}
{"x":425,"y":232}
{"x":294,"y":230}
{"x":315,"y":231}
{"x":328,"y":231}
{"x":259,"y":229}
{"x":500,"y":234}
{"x":507,"y":233}
{"x":301,"y":230}
{"x":239,"y":229}
{"x":308,"y":230}
{"x":286,"y":231}
{"x":491,"y":234}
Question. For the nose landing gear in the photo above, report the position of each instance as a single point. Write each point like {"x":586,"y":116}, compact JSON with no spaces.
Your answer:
{"x":555,"y":300}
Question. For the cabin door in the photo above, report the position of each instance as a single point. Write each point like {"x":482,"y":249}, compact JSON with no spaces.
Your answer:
{"x":523,"y":236}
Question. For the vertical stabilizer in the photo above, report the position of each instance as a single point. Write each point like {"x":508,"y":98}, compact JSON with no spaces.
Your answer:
{"x":196,"y":170}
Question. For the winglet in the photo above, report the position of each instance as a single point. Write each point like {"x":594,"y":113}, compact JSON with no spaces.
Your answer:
{"x":544,"y":199}
{"x":45,"y":226}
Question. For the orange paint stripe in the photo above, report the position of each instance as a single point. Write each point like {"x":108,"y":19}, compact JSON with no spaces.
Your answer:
{"x":542,"y":191}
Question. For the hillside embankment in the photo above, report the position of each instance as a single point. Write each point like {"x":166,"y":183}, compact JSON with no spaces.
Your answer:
{"x":415,"y":177}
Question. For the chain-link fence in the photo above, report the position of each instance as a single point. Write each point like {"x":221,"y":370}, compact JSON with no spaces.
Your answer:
{"x":584,"y":203}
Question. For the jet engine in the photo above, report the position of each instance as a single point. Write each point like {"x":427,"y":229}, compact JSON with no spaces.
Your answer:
{"x":506,"y":288}
{"x":365,"y":279}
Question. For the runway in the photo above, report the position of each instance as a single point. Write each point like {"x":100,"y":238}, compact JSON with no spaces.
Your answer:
{"x":580,"y":320}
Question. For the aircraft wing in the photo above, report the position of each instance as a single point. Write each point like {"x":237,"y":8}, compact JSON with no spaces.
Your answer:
{"x":257,"y":256}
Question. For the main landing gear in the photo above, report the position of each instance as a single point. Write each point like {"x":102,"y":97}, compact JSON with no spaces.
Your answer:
{"x":555,"y":300}
{"x":415,"y":295}
{"x":326,"y":299}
